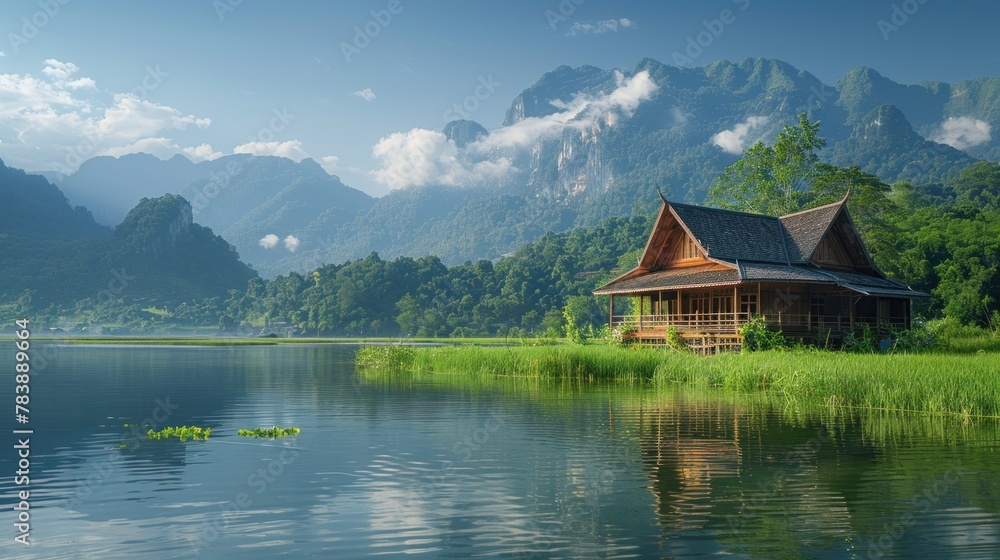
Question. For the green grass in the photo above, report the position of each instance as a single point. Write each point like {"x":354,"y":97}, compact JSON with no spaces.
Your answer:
{"x":183,"y":433}
{"x":272,"y":432}
{"x":588,"y":363}
{"x":966,"y":385}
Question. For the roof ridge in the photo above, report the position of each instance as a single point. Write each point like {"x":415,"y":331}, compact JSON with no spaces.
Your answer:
{"x":713,"y":209}
{"x":807,"y":210}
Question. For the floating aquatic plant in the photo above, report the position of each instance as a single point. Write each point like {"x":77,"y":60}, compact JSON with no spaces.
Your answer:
{"x":184,"y":433}
{"x":272,"y":432}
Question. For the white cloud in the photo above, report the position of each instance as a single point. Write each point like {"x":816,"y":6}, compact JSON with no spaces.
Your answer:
{"x":604,"y":26}
{"x":734,"y":141}
{"x":291,"y":149}
{"x":422,"y":157}
{"x":269,"y":241}
{"x":58,"y":119}
{"x":203,"y":152}
{"x":63,"y":72}
{"x":367,"y":94}
{"x":580,"y":113}
{"x":329,"y":163}
{"x":2,"y":54}
{"x":291,"y":243}
{"x":963,"y":132}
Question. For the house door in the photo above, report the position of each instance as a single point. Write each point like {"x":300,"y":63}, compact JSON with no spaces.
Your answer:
{"x":722,"y":306}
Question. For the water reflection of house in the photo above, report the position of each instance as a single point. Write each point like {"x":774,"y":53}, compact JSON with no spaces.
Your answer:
{"x":707,"y":271}
{"x":687,"y":453}
{"x":743,"y":477}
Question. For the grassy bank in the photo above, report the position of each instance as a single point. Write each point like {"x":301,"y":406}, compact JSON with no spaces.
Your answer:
{"x":961,"y":384}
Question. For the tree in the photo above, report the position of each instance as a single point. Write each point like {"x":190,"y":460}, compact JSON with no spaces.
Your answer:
{"x":768,"y":179}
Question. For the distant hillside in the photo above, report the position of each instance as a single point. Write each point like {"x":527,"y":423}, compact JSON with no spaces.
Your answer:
{"x":58,"y":257}
{"x":242,"y":197}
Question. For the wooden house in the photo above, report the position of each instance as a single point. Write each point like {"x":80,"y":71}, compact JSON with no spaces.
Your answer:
{"x":705,"y":272}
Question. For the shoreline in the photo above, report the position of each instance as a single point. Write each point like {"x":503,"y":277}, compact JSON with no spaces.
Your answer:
{"x":965,"y":385}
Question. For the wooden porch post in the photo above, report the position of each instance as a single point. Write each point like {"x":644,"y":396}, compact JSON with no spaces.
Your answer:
{"x":640,"y":311}
{"x":850,"y":300}
{"x":611,"y":313}
{"x":736,"y":307}
{"x":760,"y":302}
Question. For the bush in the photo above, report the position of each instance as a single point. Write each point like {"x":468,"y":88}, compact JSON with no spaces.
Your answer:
{"x":756,"y":336}
{"x":917,"y":337}
{"x":620,"y":334}
{"x":675,"y":341}
{"x":861,"y":340}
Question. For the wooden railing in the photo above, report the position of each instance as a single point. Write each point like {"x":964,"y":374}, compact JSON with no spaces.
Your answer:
{"x":729,"y":323}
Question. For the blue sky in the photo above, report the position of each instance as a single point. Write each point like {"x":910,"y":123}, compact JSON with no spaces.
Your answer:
{"x":208,"y":77}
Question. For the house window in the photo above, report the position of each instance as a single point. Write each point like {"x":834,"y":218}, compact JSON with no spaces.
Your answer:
{"x":698,"y":303}
{"x":748,"y":305}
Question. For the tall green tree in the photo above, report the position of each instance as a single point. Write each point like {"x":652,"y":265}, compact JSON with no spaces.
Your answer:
{"x":769,"y":179}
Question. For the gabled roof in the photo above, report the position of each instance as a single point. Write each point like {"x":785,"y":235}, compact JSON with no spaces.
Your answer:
{"x":725,"y":234}
{"x":804,"y":230}
{"x":754,"y":248}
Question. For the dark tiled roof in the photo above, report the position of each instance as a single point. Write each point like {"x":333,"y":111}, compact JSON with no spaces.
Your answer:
{"x":763,"y":272}
{"x":868,"y":290}
{"x":804,"y":230}
{"x":858,"y":279}
{"x":734,"y":235}
{"x":672,"y":278}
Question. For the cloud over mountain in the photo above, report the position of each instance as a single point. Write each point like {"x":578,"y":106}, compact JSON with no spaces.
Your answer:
{"x":734,"y":140}
{"x":963,"y":132}
{"x":421,"y":156}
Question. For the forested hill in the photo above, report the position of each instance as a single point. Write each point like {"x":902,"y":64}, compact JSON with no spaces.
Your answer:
{"x":56,"y":260}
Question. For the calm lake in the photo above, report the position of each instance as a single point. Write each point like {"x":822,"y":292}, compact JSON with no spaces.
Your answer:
{"x":445,"y":467}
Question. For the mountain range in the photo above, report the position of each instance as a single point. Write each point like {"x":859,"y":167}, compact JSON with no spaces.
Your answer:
{"x":57,"y":256}
{"x":579,"y":145}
